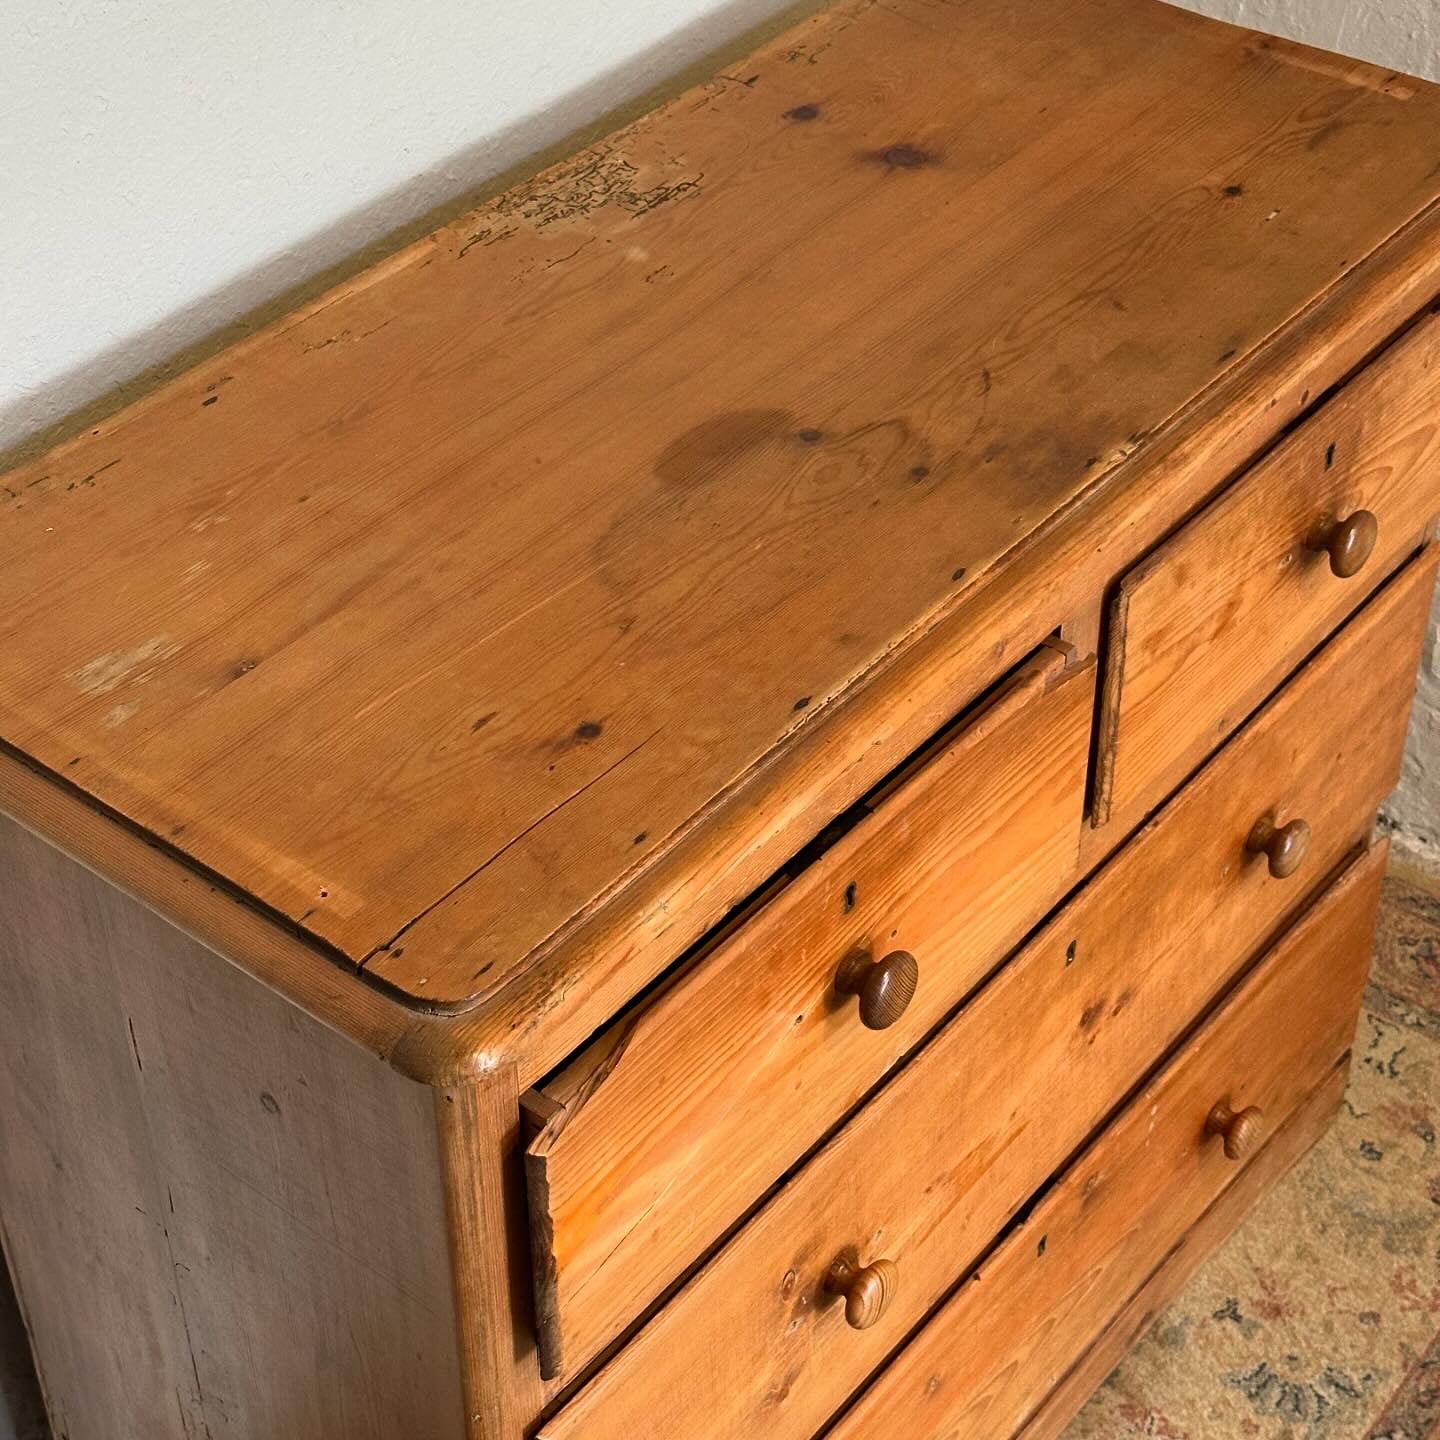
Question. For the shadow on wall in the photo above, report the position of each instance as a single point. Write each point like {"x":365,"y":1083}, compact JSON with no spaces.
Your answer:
{"x":445,"y":190}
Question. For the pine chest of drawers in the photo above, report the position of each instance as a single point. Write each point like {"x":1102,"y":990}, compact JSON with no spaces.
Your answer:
{"x":735,"y":796}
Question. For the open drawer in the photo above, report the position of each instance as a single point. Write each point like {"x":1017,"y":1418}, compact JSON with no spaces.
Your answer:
{"x":657,"y":1136}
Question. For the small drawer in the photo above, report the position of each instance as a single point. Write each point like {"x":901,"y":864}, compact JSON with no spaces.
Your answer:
{"x":1210,"y":622}
{"x":682,"y":1114}
{"x":922,"y":1179}
{"x":1096,"y":1236}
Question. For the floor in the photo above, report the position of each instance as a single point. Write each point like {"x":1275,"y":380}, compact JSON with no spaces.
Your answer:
{"x":1320,"y":1318}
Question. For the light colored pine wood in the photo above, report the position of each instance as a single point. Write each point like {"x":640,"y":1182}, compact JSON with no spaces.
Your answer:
{"x":218,"y":918}
{"x":1306,"y":1127}
{"x":662,"y":1132}
{"x":933,"y":1167}
{"x":223,"y":1219}
{"x":425,"y":617}
{"x":1204,"y":628}
{"x":569,"y":987}
{"x":1098,"y":1235}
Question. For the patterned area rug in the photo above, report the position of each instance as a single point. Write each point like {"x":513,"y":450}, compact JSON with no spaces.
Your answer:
{"x":1320,"y":1318}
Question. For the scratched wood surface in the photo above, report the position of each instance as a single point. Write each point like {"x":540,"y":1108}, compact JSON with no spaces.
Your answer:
{"x":223,"y":1219}
{"x":656,"y":1136}
{"x":1201,"y":630}
{"x":435,"y":614}
{"x":1198,"y":1243}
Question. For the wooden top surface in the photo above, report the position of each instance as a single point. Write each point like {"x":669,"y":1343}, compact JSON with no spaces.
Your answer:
{"x":433,"y":615}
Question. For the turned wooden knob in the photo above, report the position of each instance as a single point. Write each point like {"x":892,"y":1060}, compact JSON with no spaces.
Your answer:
{"x":867,"y":1289}
{"x":1240,"y":1131}
{"x":1284,"y":846}
{"x":885,"y":986}
{"x":1349,"y":542}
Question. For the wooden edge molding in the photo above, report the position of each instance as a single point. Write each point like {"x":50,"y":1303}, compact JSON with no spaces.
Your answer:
{"x":549,"y":1332}
{"x":477,"y":1125}
{"x":220,"y":920}
{"x":589,"y":969}
{"x":1108,"y":710}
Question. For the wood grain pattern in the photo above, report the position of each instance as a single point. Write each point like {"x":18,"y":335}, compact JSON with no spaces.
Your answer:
{"x":575,"y":982}
{"x":1060,"y":1281}
{"x":214,"y":915}
{"x":1204,"y":628}
{"x":223,"y":1219}
{"x":454,"y":655}
{"x":658,"y":1135}
{"x":432,"y":751}
{"x":1240,"y":1132}
{"x":1293,"y":1141}
{"x":1111,"y":1220}
{"x":932,"y":1168}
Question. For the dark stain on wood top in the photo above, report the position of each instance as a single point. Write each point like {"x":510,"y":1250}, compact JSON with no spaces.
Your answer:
{"x":530,"y":538}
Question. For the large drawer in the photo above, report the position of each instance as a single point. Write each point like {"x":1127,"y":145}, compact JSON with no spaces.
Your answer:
{"x":680,"y":1116}
{"x":1096,"y":1236}
{"x":931,"y":1170}
{"x":1206,"y":626}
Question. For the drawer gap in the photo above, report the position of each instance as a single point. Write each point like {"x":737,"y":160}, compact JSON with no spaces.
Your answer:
{"x":577,"y":1381}
{"x":809,"y":853}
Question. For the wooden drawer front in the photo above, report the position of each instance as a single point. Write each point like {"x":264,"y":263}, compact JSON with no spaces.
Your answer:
{"x":1218,"y":1223}
{"x":930,"y":1171}
{"x":675,"y":1120}
{"x":1204,"y":628}
{"x":994,"y":1351}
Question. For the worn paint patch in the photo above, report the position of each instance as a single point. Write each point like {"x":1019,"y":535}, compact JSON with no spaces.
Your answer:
{"x":120,"y":714}
{"x":593,"y":181}
{"x":42,"y":484}
{"x":339,"y":338}
{"x":107,"y":672}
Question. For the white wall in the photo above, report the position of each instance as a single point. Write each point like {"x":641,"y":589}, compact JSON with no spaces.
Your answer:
{"x":167,"y":166}
{"x":1403,"y":34}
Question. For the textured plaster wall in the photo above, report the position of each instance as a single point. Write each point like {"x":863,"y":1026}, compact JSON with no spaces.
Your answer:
{"x":167,"y":167}
{"x":1403,"y":34}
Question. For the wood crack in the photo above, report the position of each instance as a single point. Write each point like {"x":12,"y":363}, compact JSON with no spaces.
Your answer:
{"x":509,"y":845}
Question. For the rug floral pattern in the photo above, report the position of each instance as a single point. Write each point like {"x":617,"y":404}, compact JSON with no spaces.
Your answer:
{"x":1320,"y":1318}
